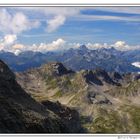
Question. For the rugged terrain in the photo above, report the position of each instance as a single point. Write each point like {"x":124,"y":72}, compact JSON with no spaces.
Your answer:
{"x":20,"y":113}
{"x":108,"y":59}
{"x":108,"y":102}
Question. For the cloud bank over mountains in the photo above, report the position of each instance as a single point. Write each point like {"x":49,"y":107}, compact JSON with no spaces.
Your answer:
{"x":15,"y":21}
{"x":9,"y":44}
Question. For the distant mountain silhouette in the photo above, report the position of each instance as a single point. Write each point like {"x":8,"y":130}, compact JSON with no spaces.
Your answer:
{"x":77,"y":59}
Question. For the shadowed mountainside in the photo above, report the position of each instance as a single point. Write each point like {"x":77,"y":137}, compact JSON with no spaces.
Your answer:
{"x":22,"y":114}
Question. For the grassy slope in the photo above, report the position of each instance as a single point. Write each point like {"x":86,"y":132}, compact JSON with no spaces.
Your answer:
{"x":126,"y":119}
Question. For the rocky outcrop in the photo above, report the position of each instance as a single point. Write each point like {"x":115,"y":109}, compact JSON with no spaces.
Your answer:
{"x":96,"y":98}
{"x":103,"y":76}
{"x":56,"y":69}
{"x":92,"y":78}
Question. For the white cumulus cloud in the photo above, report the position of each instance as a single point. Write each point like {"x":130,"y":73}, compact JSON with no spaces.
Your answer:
{"x":8,"y":43}
{"x":122,"y":46}
{"x":119,"y":45}
{"x":54,"y":46}
{"x":15,"y":23}
{"x":18,"y":46}
{"x":55,"y":23}
{"x":9,"y":39}
{"x":94,"y":46}
{"x":55,"y":16}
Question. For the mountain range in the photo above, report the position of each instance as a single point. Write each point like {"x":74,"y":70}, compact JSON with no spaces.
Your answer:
{"x":74,"y":91}
{"x":108,"y":102}
{"x":108,"y":59}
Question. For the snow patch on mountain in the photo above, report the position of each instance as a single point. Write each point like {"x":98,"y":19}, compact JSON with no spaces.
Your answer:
{"x":136,"y":64}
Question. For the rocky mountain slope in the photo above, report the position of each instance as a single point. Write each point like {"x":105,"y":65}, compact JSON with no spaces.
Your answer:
{"x":22,"y":114}
{"x":108,"y":102}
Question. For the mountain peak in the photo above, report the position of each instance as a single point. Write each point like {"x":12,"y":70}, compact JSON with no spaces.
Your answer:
{"x":83,"y":47}
{"x":57,"y":68}
{"x":91,"y":78}
{"x":104,"y":76}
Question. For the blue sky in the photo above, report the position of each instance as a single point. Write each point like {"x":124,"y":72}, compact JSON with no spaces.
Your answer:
{"x":90,"y":31}
{"x":35,"y":25}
